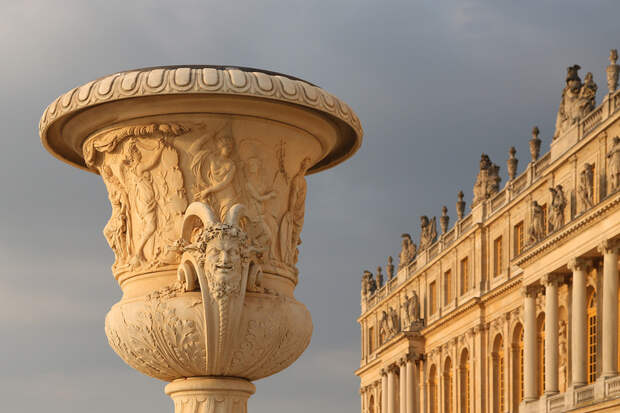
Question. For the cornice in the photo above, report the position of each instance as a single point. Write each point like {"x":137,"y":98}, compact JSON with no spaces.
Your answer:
{"x":197,"y":80}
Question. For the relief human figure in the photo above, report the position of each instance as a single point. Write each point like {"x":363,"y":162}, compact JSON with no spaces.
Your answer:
{"x":137,"y":173}
{"x":614,"y":165}
{"x":293,"y":220}
{"x":558,"y":203}
{"x":117,"y":229}
{"x":215,"y":173}
{"x":261,"y":232}
{"x":585,"y":190}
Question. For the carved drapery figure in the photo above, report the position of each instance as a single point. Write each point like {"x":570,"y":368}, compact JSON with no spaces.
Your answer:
{"x":383,"y":328}
{"x":260,"y":231}
{"x":428,"y":232}
{"x":411,"y":310}
{"x":487,"y":181}
{"x":558,"y":203}
{"x":393,"y":322}
{"x":117,"y":229}
{"x":140,"y":167}
{"x":537,"y":223}
{"x":585,"y":190}
{"x":407,"y":251}
{"x":577,"y":100}
{"x":563,"y":356}
{"x":293,"y":220}
{"x":614,"y":165}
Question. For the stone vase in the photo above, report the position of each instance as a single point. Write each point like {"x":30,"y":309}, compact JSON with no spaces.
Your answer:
{"x":205,"y":170}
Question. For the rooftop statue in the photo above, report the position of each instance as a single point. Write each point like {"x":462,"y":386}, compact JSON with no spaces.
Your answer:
{"x":578,"y":99}
{"x":487,"y":182}
{"x":428,"y":233}
{"x":407,"y":251}
{"x":369,"y":286}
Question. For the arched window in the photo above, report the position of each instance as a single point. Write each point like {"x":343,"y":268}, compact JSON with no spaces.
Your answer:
{"x":517,"y":370}
{"x":371,"y":404}
{"x":592,"y":336}
{"x":465,"y":395}
{"x":541,"y":354}
{"x":448,"y":391}
{"x":432,"y":389}
{"x":499,"y":363}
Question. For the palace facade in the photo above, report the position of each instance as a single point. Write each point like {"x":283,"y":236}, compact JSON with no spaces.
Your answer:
{"x":513,"y":308}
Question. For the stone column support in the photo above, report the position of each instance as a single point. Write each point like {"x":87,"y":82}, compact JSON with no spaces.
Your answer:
{"x":551,"y":334}
{"x":609,"y":249}
{"x":412,"y":385}
{"x":384,"y":391}
{"x":530,"y":355}
{"x":402,"y":395}
{"x":391,"y":390}
{"x":579,"y":334}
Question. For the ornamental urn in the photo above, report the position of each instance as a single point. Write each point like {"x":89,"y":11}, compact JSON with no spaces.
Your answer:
{"x":205,"y":170}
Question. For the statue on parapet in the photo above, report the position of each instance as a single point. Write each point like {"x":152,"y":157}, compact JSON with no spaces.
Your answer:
{"x":578,"y":99}
{"x":369,"y":286}
{"x":408,"y":251}
{"x":487,"y":181}
{"x":428,"y":232}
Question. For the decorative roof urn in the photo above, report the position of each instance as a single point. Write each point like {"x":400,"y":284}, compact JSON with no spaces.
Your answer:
{"x":205,"y":169}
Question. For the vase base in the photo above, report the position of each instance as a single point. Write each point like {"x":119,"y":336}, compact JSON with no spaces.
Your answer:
{"x":210,"y":394}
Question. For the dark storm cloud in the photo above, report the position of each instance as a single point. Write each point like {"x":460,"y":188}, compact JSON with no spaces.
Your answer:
{"x":434,"y":83}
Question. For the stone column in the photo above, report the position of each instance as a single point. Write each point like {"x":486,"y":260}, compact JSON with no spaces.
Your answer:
{"x":384,"y":391}
{"x":609,"y":249}
{"x":403,"y":386}
{"x":391,"y":390}
{"x":412,"y":385}
{"x":579,"y":326}
{"x":530,"y":355}
{"x":551,"y":334}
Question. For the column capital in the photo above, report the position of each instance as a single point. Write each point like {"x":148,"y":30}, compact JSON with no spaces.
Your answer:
{"x":529,"y":291}
{"x":550,"y":279}
{"x":384,"y":371}
{"x":402,"y":361}
{"x":608,"y":246}
{"x":413,"y":356}
{"x":579,"y":264}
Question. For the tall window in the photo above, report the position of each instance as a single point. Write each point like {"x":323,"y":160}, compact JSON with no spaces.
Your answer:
{"x":465,"y":395}
{"x":447,"y":285}
{"x":517,"y":371}
{"x":541,"y":355}
{"x":521,"y":381}
{"x":497,"y":256}
{"x":371,"y":340}
{"x":465,"y":282}
{"x":518,"y":238}
{"x":432,"y":297}
{"x":432,"y":389}
{"x":447,"y":387}
{"x":371,"y":404}
{"x":592,"y":337}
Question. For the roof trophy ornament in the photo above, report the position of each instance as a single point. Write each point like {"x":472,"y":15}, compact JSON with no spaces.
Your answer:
{"x":408,"y":251}
{"x":612,"y":71}
{"x":460,"y":205}
{"x":535,"y":144}
{"x":578,"y":99}
{"x":511,"y":163}
{"x":199,"y":313}
{"x":379,"y":278}
{"x":444,"y":219}
{"x":428,"y":232}
{"x":487,"y":182}
{"x":614,"y":165}
{"x":558,"y":204}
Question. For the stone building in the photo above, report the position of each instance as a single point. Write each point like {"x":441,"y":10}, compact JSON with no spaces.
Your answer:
{"x":513,"y":308}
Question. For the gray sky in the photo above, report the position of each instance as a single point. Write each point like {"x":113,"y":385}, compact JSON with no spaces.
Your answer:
{"x":434,"y":84}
